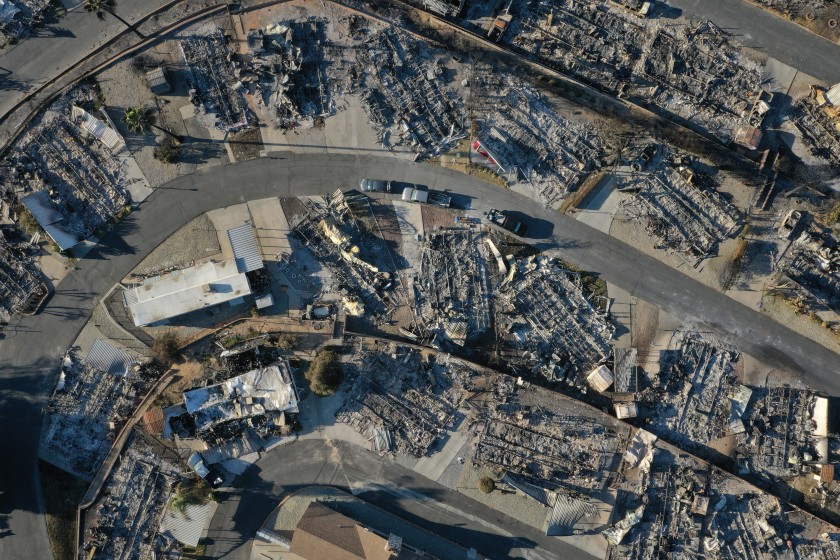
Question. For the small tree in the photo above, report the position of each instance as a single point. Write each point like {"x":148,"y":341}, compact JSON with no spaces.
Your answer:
{"x":287,"y":342}
{"x":166,"y":347}
{"x":325,"y":373}
{"x":102,"y":7}
{"x":486,"y":484}
{"x":167,"y":151}
{"x":193,"y":492}
{"x":137,"y":119}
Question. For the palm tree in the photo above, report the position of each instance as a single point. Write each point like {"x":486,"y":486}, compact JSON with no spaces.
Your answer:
{"x":102,"y":7}
{"x":137,"y":119}
{"x":191,"y":493}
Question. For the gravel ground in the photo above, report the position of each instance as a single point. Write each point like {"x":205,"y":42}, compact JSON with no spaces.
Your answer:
{"x":109,"y":328}
{"x":516,"y":505}
{"x":645,"y":324}
{"x":123,"y":87}
{"x":196,"y":240}
{"x":784,"y":314}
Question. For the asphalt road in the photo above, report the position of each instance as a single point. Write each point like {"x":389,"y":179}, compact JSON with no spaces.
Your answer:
{"x":58,"y":45}
{"x":768,"y":33}
{"x":447,"y":513}
{"x":30,"y":352}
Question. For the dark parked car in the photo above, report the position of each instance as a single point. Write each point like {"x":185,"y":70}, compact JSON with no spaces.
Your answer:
{"x":375,"y":185}
{"x":213,"y":477}
{"x":505,"y":221}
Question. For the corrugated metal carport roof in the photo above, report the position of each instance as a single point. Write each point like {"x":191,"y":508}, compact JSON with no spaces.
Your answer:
{"x":246,"y":251}
{"x":42,"y":209}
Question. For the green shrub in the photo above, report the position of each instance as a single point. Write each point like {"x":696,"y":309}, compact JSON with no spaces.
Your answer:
{"x":325,"y":373}
{"x":167,"y":347}
{"x":486,"y":484}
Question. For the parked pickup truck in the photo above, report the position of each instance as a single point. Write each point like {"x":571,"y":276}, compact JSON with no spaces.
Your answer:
{"x":427,"y":197}
{"x":505,"y":221}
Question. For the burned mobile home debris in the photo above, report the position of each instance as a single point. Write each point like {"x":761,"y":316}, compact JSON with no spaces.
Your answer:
{"x":788,"y":433}
{"x":22,"y":289}
{"x":817,"y":121}
{"x":692,"y":72}
{"x":453,"y":291}
{"x":402,"y":399}
{"x":300,"y":68}
{"x":92,"y":401}
{"x":19,"y":18}
{"x":215,"y":84}
{"x":693,"y":399}
{"x":681,"y":207}
{"x":675,"y":506}
{"x":810,"y":267}
{"x":344,"y":235}
{"x":694,"y":393}
{"x":523,"y":136}
{"x":404,"y":97}
{"x":524,"y":432}
{"x":548,"y":323}
{"x":293,"y":78}
{"x":123,"y":523}
{"x":63,"y":169}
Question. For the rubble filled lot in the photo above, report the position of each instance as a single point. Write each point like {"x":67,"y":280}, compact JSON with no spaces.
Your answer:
{"x":125,"y":519}
{"x":404,"y":96}
{"x":453,"y":292}
{"x":819,"y":132}
{"x":295,"y":70}
{"x":681,"y":208}
{"x":783,"y":437}
{"x":22,"y":289}
{"x":298,"y":69}
{"x":678,"y":507}
{"x":86,"y":411}
{"x":403,"y":400}
{"x":19,"y":17}
{"x":344,"y":236}
{"x":522,"y":137}
{"x":695,"y":399}
{"x":692,"y":71}
{"x":691,"y":392}
{"x":808,"y":272}
{"x":554,"y":329}
{"x":216,"y":89}
{"x":524,"y":435}
{"x":85,"y":183}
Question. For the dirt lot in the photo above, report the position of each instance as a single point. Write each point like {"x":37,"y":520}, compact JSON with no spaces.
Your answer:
{"x":246,"y":145}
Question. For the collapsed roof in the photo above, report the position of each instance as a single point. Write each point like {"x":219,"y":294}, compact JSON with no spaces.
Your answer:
{"x":260,"y":391}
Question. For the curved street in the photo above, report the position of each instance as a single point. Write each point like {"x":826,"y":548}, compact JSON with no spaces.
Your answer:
{"x":385,"y":484}
{"x":59,"y":45}
{"x":32,"y":347}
